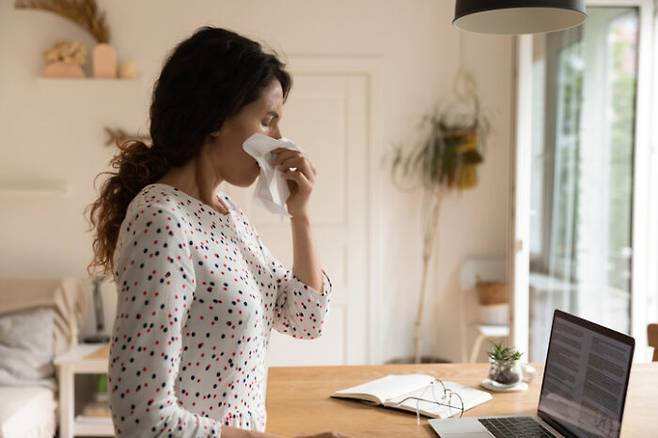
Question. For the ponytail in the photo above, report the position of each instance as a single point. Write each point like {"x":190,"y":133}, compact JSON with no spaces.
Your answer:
{"x":138,"y":165}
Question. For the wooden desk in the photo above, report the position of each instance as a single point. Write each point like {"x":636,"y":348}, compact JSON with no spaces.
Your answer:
{"x":298,"y":400}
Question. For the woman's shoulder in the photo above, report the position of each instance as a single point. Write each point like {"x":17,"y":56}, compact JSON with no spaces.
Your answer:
{"x":157,"y":193}
{"x":160,"y":197}
{"x":152,"y":204}
{"x":153,"y":207}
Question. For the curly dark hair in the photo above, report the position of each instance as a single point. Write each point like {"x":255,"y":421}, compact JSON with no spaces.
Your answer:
{"x":208,"y":78}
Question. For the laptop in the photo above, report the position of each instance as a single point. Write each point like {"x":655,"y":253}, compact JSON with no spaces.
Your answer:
{"x":583,"y":390}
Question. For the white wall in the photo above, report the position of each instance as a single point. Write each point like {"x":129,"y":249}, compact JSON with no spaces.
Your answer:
{"x":54,"y":130}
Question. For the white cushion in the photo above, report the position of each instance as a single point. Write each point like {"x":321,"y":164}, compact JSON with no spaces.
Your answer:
{"x":26,"y":347}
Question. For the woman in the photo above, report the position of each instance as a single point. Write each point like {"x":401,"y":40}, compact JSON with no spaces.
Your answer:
{"x":199,"y":292}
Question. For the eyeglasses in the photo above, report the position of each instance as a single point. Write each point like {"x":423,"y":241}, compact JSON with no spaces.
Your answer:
{"x":447,"y":398}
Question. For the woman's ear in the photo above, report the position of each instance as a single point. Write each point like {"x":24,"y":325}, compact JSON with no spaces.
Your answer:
{"x":212,"y":137}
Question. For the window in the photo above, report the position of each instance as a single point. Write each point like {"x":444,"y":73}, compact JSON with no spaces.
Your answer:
{"x":584,"y":83}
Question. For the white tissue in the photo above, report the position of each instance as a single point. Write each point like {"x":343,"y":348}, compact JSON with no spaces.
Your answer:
{"x":272,"y":188}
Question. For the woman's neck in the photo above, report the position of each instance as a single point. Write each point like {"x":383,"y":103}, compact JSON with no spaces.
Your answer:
{"x":196,"y":181}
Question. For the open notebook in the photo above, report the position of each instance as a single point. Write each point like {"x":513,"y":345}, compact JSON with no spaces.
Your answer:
{"x":393,"y":388}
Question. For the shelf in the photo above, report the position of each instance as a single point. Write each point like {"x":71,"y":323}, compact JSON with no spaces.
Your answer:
{"x":69,"y":84}
{"x":87,"y":79}
{"x":34,"y":188}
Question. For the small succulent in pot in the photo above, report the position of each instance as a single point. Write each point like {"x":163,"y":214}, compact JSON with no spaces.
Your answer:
{"x":504,"y":366}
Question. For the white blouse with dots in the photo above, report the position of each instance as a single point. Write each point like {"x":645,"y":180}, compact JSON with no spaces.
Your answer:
{"x":199,"y":293}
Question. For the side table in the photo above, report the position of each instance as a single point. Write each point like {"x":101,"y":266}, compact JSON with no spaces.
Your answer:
{"x":82,"y":359}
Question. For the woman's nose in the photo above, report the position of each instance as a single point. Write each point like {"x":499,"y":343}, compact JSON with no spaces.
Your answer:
{"x":276,"y":133}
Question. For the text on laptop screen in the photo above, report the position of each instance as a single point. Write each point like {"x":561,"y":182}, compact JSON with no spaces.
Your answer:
{"x":585,"y":380}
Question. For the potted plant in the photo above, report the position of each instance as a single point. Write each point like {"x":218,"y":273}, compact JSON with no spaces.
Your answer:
{"x":504,"y":365}
{"x":444,"y":161}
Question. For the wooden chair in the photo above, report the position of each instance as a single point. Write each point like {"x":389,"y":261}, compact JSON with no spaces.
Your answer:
{"x":652,"y":335}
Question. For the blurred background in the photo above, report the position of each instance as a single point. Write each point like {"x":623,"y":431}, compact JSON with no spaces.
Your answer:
{"x":558,"y":209}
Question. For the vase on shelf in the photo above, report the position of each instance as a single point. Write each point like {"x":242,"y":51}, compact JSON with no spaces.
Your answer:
{"x":104,"y":61}
{"x":128,"y":70}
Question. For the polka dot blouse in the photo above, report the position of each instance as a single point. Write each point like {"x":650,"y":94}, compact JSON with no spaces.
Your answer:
{"x":199,"y":293}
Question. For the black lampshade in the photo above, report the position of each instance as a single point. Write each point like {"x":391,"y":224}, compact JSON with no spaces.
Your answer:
{"x":514,"y":17}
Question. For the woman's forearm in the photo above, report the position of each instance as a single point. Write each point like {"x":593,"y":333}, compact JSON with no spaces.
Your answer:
{"x":306,"y":266}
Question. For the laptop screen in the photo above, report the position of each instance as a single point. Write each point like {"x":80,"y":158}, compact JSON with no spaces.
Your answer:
{"x":586,"y":377}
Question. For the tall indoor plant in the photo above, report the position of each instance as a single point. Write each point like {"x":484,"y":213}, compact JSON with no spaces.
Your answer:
{"x":444,"y":161}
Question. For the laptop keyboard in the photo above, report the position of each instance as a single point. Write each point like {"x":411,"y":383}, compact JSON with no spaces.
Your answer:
{"x":521,"y":427}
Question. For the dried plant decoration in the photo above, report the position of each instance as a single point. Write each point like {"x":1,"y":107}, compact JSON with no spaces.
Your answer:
{"x":444,"y":160}
{"x":68,"y":52}
{"x":84,"y":13}
{"x":118,"y":136}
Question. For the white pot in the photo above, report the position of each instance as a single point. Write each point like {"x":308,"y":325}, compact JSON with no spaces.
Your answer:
{"x":493,"y":314}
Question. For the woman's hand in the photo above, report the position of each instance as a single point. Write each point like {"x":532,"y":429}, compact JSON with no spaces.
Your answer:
{"x":323,"y":435}
{"x":300,"y":181}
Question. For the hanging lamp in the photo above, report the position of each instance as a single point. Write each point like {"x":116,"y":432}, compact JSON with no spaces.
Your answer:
{"x":514,"y":17}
